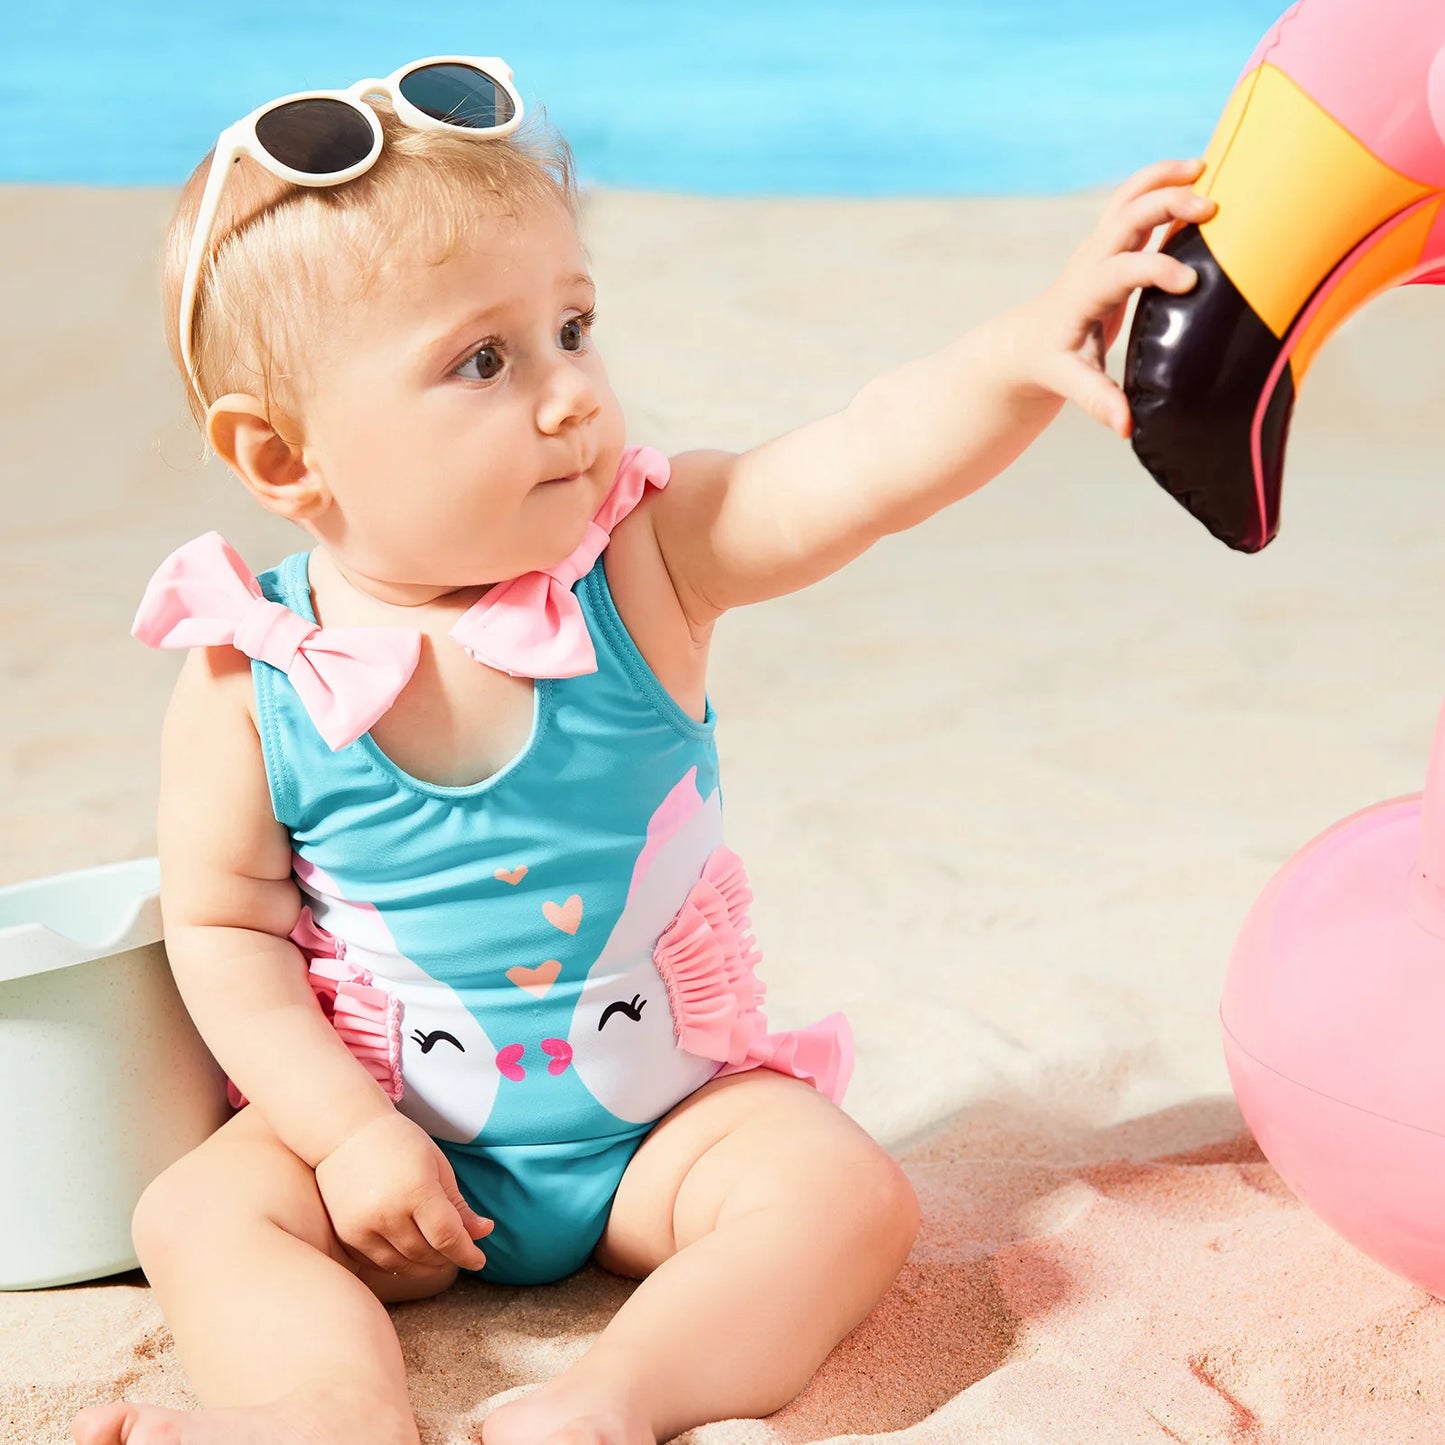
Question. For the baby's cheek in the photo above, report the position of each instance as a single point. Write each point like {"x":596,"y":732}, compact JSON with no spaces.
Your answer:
{"x":614,"y":429}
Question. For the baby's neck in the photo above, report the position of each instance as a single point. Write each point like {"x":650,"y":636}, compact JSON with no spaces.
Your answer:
{"x":326,"y":569}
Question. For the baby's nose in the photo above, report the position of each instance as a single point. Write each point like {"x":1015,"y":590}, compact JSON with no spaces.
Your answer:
{"x":570,"y":398}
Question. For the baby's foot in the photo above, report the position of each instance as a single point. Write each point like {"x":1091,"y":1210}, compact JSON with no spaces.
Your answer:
{"x":287,"y":1422}
{"x":560,"y":1414}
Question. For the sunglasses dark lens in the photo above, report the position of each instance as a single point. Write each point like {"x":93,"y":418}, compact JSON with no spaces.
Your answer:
{"x":318,"y":137}
{"x":458,"y":94}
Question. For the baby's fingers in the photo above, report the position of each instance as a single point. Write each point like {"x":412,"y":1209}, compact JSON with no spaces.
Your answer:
{"x":450,"y":1229}
{"x":1151,"y":178}
{"x":1130,"y":228}
{"x":1088,"y":387}
{"x":1113,"y":281}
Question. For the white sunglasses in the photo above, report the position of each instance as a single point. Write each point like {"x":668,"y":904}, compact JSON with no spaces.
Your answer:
{"x":329,"y":137}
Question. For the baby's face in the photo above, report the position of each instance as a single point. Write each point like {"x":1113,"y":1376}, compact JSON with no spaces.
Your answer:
{"x":453,"y":400}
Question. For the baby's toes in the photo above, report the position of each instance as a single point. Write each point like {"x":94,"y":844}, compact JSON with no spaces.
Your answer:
{"x":101,"y":1424}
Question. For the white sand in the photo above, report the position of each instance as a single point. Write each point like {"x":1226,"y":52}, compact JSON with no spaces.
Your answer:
{"x":1006,"y":787}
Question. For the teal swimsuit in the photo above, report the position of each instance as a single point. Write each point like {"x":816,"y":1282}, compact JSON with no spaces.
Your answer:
{"x":511,"y":930}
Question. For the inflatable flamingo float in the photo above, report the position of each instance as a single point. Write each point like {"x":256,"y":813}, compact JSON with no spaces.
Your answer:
{"x":1328,"y":166}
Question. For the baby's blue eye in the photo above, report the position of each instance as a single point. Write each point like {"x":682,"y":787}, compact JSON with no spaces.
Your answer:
{"x":489,"y":363}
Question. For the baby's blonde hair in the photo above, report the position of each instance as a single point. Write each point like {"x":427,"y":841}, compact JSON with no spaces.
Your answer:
{"x":273,"y":275}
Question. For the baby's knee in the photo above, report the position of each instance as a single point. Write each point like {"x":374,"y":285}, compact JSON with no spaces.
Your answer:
{"x":884,"y":1198}
{"x":160,"y":1215}
{"x":221,"y":1185}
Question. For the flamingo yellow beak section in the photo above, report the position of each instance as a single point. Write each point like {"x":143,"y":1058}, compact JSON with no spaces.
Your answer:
{"x":1311,"y":224}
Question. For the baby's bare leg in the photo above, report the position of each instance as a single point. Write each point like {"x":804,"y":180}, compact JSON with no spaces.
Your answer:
{"x":767,"y":1224}
{"x":281,"y":1335}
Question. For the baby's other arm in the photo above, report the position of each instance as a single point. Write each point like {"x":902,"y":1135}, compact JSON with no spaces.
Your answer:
{"x":229,"y":900}
{"x":735,"y":529}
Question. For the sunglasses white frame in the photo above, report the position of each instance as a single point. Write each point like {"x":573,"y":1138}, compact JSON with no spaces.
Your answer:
{"x":240,"y":139}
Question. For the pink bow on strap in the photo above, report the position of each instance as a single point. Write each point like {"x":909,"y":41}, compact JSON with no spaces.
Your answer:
{"x":533,"y":626}
{"x":346,"y":677}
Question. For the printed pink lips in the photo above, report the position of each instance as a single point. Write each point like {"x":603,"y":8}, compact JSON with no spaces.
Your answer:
{"x":559,"y":1053}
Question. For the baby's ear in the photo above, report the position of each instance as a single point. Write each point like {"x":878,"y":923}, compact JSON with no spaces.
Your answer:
{"x":272,"y":468}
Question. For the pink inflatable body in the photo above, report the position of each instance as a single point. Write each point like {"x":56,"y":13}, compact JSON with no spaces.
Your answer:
{"x":1328,"y":165}
{"x":1334,"y":1028}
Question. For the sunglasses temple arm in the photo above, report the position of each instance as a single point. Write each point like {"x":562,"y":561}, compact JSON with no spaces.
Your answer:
{"x":222,"y":159}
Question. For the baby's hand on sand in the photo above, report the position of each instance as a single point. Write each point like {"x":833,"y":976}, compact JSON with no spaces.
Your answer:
{"x":393,"y":1199}
{"x":1056,"y":343}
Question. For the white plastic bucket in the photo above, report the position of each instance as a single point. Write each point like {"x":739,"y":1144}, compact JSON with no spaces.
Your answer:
{"x":104,"y":1081}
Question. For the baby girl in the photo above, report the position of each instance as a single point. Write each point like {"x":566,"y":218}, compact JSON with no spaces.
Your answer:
{"x":444,"y":879}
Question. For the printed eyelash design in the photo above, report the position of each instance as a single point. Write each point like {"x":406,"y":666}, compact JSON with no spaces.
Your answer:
{"x":633,"y":1010}
{"x":427,"y":1040}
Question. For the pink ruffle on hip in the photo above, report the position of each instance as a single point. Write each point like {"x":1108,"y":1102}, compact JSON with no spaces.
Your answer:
{"x":707,"y":958}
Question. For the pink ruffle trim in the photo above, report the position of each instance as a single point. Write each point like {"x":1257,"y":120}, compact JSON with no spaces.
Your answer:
{"x":707,"y":959}
{"x":367,"y":1018}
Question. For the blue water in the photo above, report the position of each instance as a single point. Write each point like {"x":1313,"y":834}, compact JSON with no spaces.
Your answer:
{"x":728,"y":97}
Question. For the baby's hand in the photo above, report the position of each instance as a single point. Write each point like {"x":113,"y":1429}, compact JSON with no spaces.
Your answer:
{"x":1056,"y":343}
{"x":393,"y":1199}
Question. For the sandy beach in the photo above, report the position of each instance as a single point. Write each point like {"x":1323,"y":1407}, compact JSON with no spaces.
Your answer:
{"x":1006,"y":787}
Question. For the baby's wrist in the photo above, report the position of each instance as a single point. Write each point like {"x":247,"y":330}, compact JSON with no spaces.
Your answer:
{"x":347,"y":1129}
{"x":1013,"y":358}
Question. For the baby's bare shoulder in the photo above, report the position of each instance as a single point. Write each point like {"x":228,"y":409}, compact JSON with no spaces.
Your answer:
{"x":214,"y":686}
{"x":224,"y":857}
{"x":214,"y":677}
{"x":209,"y":737}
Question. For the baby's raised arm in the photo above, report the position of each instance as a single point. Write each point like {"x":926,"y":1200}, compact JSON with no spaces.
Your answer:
{"x":739,"y":529}
{"x":229,"y":901}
